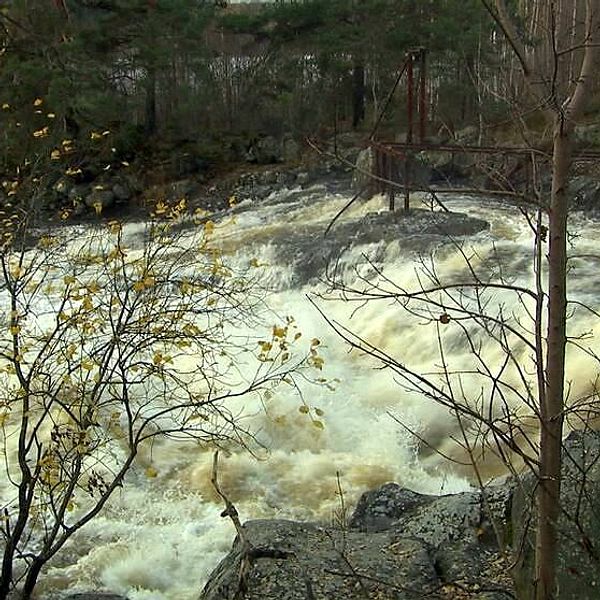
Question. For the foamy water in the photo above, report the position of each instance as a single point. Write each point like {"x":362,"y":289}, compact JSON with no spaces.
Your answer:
{"x":160,"y":536}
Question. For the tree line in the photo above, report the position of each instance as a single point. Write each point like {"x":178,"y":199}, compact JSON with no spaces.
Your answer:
{"x":204,"y":71}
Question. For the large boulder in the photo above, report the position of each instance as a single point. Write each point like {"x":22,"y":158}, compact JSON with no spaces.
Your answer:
{"x":400,"y":545}
{"x":578,"y":526}
{"x":295,"y":561}
{"x":265,"y":151}
{"x":361,"y":178}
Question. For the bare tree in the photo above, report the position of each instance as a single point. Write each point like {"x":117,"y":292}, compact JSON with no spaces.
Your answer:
{"x":562,"y":97}
{"x":105,"y":348}
{"x":557,"y":61}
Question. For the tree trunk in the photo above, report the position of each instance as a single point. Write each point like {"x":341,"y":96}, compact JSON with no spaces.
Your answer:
{"x":150,"y":108}
{"x":358,"y":94}
{"x":551,"y":409}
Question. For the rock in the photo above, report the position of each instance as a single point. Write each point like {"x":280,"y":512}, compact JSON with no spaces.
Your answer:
{"x":62,"y":187}
{"x":402,"y":545}
{"x":185,"y":188}
{"x":578,"y":526}
{"x":295,"y":561}
{"x":264,"y":151}
{"x":448,"y":167}
{"x":268,"y":177}
{"x":78,"y":193}
{"x":363,"y":168}
{"x":303,"y":178}
{"x":291,"y":151}
{"x":100,"y":199}
{"x":588,"y":134}
{"x":121,"y":191}
{"x":284,"y":178}
{"x":378,"y":509}
{"x":184,"y":164}
{"x":584,"y":192}
{"x":466,"y":136}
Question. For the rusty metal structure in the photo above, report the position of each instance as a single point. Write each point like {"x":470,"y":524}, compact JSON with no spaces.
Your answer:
{"x":394,"y":163}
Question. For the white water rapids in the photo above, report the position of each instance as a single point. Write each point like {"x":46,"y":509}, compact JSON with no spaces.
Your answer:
{"x":160,"y":537}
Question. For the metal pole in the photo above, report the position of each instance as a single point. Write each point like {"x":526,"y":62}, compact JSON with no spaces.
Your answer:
{"x":390,"y":177}
{"x":409,"y":129}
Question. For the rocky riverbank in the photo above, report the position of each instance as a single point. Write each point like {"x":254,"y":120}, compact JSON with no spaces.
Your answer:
{"x":400,"y":545}
{"x":92,"y":189}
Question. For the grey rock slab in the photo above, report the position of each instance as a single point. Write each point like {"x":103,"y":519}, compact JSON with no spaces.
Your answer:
{"x":296,"y":561}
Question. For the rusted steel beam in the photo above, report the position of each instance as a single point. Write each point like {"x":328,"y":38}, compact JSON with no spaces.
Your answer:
{"x":459,"y":149}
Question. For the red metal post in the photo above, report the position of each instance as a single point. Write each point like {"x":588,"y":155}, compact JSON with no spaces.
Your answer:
{"x":409,"y":98}
{"x":390,"y":177}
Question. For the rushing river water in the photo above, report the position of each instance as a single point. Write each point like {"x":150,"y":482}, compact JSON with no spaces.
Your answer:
{"x":160,"y":536}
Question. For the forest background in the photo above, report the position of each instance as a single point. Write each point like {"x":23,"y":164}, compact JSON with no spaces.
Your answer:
{"x":205,"y":80}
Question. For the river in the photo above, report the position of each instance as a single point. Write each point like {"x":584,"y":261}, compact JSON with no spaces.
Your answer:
{"x":161,"y":534}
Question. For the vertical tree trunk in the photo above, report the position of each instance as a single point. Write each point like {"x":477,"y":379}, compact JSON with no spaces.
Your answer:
{"x":358,"y":94}
{"x":150,"y":106}
{"x":551,"y":409}
{"x":544,"y":70}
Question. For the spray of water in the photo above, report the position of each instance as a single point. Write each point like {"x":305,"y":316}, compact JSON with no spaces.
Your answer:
{"x":159,"y":537}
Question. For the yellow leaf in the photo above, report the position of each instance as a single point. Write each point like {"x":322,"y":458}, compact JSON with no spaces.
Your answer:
{"x":304,"y":409}
{"x":114,"y":227}
{"x":317,"y":362}
{"x":5,"y":106}
{"x":151,"y":472}
{"x":51,"y":115}
{"x":87,"y":364}
{"x":69,"y":280}
{"x":98,"y":207}
{"x":55,"y":154}
{"x":315,"y":342}
{"x":318,"y":412}
{"x":87,"y":303}
{"x":209,"y":227}
{"x":40,"y":133}
{"x":38,"y":102}
{"x":318,"y":424}
{"x":279,"y":332}
{"x":15,"y":329}
{"x":95,"y":135}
